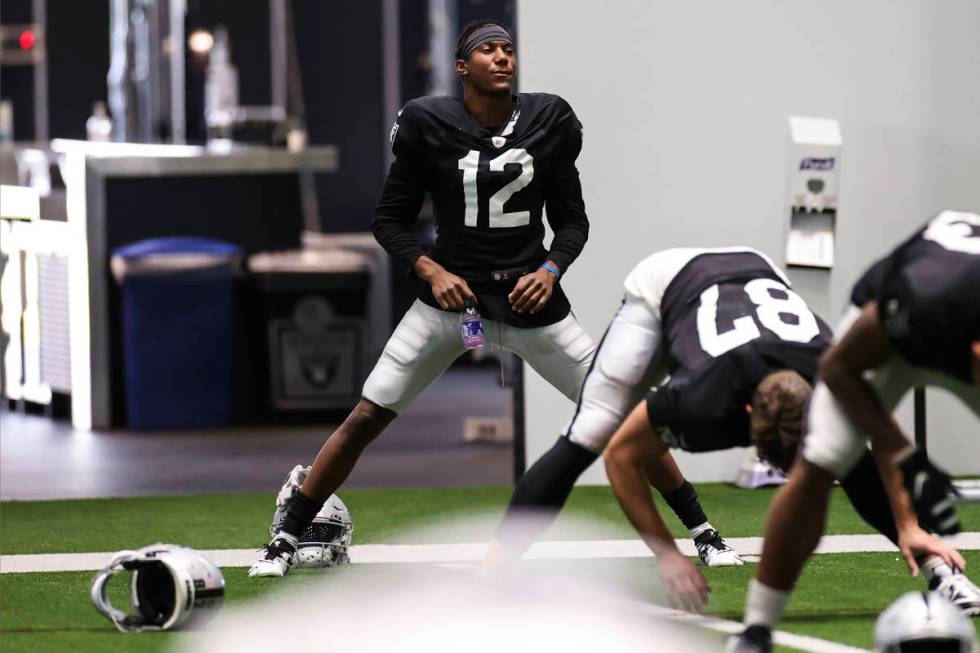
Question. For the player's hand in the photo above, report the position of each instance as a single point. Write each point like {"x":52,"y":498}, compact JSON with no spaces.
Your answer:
{"x":916,"y":543}
{"x":686,"y":588}
{"x":450,"y":291}
{"x":932,"y":492}
{"x":532,"y":291}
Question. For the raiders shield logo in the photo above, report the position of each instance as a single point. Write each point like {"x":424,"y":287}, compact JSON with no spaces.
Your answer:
{"x":319,"y":371}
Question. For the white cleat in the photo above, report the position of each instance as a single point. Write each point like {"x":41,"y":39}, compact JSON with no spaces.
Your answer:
{"x":960,"y":591}
{"x":278,"y":556}
{"x":713,"y":551}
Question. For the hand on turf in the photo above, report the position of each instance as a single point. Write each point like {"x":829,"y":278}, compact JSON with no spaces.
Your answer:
{"x":932,"y":492}
{"x":916,"y":543}
{"x":686,"y":588}
{"x":450,"y":291}
{"x":532,"y":291}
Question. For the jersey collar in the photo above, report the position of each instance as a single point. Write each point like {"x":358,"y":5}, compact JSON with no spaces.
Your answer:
{"x":497,"y":138}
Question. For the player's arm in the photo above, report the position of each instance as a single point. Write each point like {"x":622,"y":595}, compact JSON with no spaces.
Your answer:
{"x":563,"y":198}
{"x":864,"y":347}
{"x":632,"y":448}
{"x":403,"y":193}
{"x":566,"y":214}
{"x":398,"y":209}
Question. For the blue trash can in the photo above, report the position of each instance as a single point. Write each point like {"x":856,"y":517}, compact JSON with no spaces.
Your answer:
{"x":178,"y":306}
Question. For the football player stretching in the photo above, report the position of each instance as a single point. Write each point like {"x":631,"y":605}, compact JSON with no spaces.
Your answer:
{"x":492,"y":162}
{"x":741,"y":349}
{"x":915,"y":321}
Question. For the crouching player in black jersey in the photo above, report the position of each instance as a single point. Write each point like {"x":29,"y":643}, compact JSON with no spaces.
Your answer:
{"x":635,"y":353}
{"x":741,"y":349}
{"x":492,"y":162}
{"x":915,"y":321}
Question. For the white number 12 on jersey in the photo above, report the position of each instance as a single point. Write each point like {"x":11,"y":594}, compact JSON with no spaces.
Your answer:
{"x":470,"y":163}
{"x":768,"y":310}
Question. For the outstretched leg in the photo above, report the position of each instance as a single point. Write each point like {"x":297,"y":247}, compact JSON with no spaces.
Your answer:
{"x":789,"y":539}
{"x":423,"y":345}
{"x":626,"y":363}
{"x":793,"y":529}
{"x":340,"y":452}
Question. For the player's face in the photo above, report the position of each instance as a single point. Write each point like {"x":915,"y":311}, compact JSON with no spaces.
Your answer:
{"x":975,"y":362}
{"x":490,"y":68}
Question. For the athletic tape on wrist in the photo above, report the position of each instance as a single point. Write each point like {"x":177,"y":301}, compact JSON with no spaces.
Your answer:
{"x":550,"y":268}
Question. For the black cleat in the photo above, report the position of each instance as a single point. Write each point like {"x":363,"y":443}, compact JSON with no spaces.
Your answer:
{"x":754,"y":639}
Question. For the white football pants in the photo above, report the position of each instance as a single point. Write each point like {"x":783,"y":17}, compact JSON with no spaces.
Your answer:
{"x":833,"y":443}
{"x":631,"y":356}
{"x":628,"y":361}
{"x":428,"y":340}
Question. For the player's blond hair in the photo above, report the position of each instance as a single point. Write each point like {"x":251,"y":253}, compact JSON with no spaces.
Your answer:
{"x":778,"y":413}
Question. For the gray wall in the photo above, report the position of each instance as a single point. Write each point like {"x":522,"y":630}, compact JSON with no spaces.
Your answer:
{"x":685,"y":110}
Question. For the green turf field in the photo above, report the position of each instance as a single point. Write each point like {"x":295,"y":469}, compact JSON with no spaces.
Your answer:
{"x":838,"y":599}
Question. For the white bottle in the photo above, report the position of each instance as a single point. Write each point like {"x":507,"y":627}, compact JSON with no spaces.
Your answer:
{"x":98,"y":127}
{"x":220,"y":87}
{"x":6,"y":121}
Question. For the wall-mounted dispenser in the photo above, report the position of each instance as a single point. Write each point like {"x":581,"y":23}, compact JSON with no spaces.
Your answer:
{"x":815,"y":148}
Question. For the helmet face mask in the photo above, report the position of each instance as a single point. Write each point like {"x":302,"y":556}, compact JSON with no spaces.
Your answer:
{"x":923,"y":622}
{"x":171,"y":587}
{"x":326,"y":542}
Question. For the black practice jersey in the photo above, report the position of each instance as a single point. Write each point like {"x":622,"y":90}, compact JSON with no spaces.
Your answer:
{"x":729,"y":319}
{"x":489,"y":189}
{"x":928,"y":293}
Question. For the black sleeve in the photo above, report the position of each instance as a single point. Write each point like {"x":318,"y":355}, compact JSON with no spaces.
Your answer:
{"x":700,"y":411}
{"x":403,"y":194}
{"x":915,"y":321}
{"x":563,"y":198}
{"x":662,"y":405}
{"x":869,"y":285}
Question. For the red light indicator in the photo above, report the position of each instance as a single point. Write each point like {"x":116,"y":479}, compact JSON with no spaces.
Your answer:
{"x":27,"y":39}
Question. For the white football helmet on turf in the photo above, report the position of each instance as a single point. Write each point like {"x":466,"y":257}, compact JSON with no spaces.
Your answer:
{"x":923,"y":622}
{"x":171,"y":587}
{"x":326,"y":543}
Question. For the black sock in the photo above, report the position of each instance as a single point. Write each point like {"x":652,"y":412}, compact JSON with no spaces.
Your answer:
{"x":299,"y":514}
{"x":684,"y":502}
{"x":551,"y":479}
{"x":542,"y":491}
{"x":864,"y":488}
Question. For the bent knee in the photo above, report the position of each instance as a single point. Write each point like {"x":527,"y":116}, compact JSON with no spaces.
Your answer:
{"x":367,"y":420}
{"x":593,"y":426}
{"x":616,"y":455}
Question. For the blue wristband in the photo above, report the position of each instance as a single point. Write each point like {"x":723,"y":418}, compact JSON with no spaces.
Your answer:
{"x":550,"y":268}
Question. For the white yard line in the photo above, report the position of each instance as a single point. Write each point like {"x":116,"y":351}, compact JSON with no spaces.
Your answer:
{"x":455,"y":553}
{"x":801,"y":642}
{"x":452,"y":554}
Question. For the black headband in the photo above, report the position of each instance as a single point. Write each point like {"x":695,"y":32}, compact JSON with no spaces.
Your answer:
{"x":483,"y":34}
